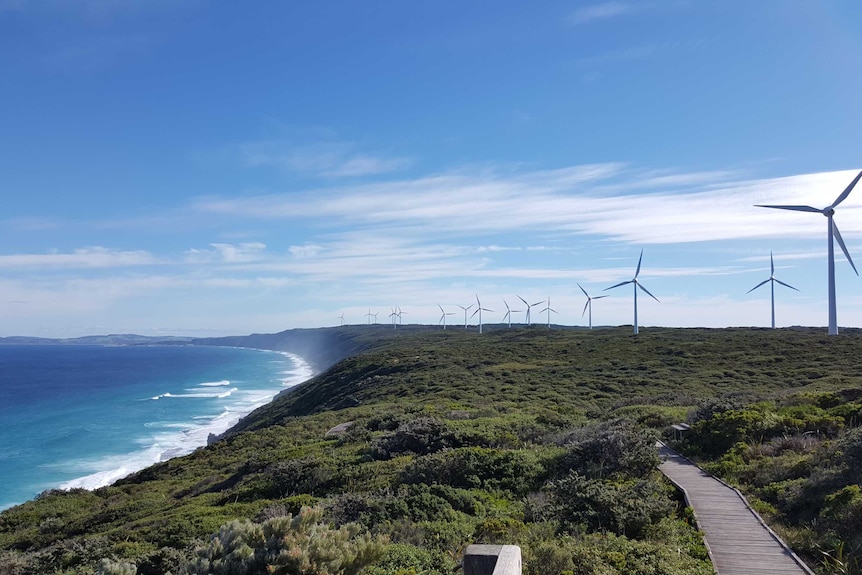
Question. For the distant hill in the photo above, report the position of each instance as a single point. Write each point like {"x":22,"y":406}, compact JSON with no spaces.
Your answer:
{"x":111,"y":339}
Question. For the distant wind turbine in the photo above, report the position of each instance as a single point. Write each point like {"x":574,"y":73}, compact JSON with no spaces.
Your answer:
{"x":509,"y":312}
{"x":465,"y":313}
{"x":370,"y":315}
{"x":772,"y":280}
{"x":479,"y":310}
{"x":549,"y":309}
{"x":443,"y":314}
{"x":635,"y":285}
{"x":375,"y":314}
{"x":341,"y":317}
{"x":394,"y":317}
{"x":530,"y":305}
{"x":589,"y":304}
{"x":399,"y":313}
{"x":832,"y":232}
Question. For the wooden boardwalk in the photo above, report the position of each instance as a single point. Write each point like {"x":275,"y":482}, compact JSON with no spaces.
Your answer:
{"x":738,"y":540}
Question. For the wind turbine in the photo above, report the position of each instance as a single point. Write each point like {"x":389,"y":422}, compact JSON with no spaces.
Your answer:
{"x":772,"y":280}
{"x":369,"y":315}
{"x":375,"y":317}
{"x":479,"y":310}
{"x":549,"y":309}
{"x":465,"y":313}
{"x":341,"y":317}
{"x":509,"y":312}
{"x":529,"y":305}
{"x":832,"y":232}
{"x":589,"y":304}
{"x":443,"y":315}
{"x":394,"y":317}
{"x":399,"y":313}
{"x":635,"y":285}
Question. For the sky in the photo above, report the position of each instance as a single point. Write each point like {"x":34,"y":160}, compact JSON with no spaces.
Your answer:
{"x":211,"y":168}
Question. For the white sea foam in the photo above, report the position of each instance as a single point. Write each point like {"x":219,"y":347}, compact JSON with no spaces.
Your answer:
{"x":182,"y":438}
{"x":221,"y":383}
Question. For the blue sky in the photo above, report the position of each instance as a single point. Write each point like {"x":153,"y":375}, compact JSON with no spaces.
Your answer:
{"x":204,"y":168}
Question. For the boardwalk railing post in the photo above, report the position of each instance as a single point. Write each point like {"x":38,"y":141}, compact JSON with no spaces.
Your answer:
{"x":492,"y":560}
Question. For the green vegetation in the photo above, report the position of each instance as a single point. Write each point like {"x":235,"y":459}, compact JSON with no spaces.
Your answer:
{"x":528,"y":436}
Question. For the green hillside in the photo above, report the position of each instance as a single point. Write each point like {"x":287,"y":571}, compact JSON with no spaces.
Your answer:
{"x":536,"y":437}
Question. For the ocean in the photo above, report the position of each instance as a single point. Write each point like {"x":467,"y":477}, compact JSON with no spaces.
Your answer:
{"x":85,"y":416}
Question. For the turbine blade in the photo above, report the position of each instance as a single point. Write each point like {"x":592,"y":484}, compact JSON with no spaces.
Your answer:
{"x":846,"y":192}
{"x":586,"y":305}
{"x":771,"y":263}
{"x":647,"y":291}
{"x":786,"y":285}
{"x":583,"y":290}
{"x":539,"y":302}
{"x":794,"y":208}
{"x":843,"y":247}
{"x":637,"y":271}
{"x":523,"y":300}
{"x":758,"y":285}
{"x":618,"y":285}
{"x":600,"y":296}
{"x":474,"y":313}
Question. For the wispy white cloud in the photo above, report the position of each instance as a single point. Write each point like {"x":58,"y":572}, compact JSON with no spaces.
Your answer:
{"x":93,"y":257}
{"x":667,"y":208}
{"x":324,"y":159}
{"x":601,"y":11}
{"x":228,"y":253}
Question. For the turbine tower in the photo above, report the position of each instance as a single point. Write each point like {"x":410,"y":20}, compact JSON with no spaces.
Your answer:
{"x":549,"y":309}
{"x":772,"y":280}
{"x":529,"y":305}
{"x":832,"y":232}
{"x":635,"y":285}
{"x":509,"y":312}
{"x":443,"y":315}
{"x":479,"y":310}
{"x":465,"y":313}
{"x":589,"y":304}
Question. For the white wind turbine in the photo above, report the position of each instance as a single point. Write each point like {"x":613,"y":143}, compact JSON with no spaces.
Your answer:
{"x":465,"y":313}
{"x":443,"y":314}
{"x":398,"y":313}
{"x":369,"y":315}
{"x":394,"y":317}
{"x":589,"y":304}
{"x":479,"y":310}
{"x":509,"y":312}
{"x":832,"y":232}
{"x":772,"y":280}
{"x":549,"y":309}
{"x":635,"y":285}
{"x":530,"y":305}
{"x":341,"y":317}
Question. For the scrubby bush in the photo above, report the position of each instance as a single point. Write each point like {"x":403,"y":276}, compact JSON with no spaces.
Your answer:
{"x":420,"y":436}
{"x":479,"y":468}
{"x":612,"y":449}
{"x":109,"y":567}
{"x":291,"y":545}
{"x":402,"y":559}
{"x":625,"y":508}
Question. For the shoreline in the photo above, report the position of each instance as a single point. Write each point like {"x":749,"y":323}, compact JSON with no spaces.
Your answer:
{"x":191,"y":437}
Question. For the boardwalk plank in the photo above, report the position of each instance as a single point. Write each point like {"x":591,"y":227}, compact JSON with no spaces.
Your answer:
{"x":738,"y":540}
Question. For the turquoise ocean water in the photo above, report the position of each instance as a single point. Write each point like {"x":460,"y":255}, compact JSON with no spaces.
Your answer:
{"x":84,"y":416}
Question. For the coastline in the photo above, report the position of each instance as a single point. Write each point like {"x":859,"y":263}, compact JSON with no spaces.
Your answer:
{"x":191,"y":437}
